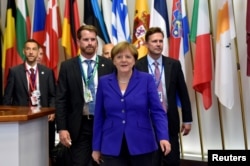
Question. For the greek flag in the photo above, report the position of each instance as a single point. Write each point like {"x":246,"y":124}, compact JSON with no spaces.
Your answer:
{"x":120,"y":22}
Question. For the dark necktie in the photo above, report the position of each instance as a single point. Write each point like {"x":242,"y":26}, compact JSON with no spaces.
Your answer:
{"x":91,"y":85}
{"x":32,"y":77}
{"x":159,"y":84}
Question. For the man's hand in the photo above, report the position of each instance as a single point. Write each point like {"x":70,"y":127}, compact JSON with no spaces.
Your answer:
{"x":185,"y":128}
{"x":65,"y":138}
{"x":51,"y":117}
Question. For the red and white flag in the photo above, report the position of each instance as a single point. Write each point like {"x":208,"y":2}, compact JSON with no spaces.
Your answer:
{"x":53,"y":33}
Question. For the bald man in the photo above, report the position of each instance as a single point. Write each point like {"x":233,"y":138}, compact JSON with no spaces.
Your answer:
{"x":106,"y":50}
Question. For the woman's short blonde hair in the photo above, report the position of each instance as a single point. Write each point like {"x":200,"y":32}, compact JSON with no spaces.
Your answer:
{"x":122,"y":46}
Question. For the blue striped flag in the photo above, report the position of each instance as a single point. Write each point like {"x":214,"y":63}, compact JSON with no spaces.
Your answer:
{"x":99,"y":17}
{"x":106,"y":8}
{"x":120,"y":22}
{"x":93,"y":16}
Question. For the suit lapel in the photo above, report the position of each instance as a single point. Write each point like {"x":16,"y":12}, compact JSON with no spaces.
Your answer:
{"x":144,"y":64}
{"x":114,"y":84}
{"x":41,"y":78}
{"x":23,"y":77}
{"x":77,"y":71}
{"x":167,"y":70}
{"x":134,"y":81}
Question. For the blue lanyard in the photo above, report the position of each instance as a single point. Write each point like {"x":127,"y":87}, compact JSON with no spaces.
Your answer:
{"x":87,"y":79}
{"x":157,"y":82}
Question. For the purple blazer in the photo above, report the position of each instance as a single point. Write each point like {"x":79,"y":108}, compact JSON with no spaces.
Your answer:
{"x":137,"y":115}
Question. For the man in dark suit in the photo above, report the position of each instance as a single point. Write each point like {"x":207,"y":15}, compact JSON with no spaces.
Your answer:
{"x":75,"y":99}
{"x":173,"y":83}
{"x":22,"y":90}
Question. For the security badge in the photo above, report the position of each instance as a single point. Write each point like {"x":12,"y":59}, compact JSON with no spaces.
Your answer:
{"x":35,"y":97}
{"x":88,"y":95}
{"x":160,"y":96}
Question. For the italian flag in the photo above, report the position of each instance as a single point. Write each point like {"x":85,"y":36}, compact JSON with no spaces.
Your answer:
{"x":200,"y":34}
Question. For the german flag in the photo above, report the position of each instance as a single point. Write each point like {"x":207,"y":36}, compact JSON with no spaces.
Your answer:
{"x":71,"y":23}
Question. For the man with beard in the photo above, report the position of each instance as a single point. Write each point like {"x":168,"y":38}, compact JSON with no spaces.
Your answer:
{"x":75,"y":97}
{"x":32,"y":84}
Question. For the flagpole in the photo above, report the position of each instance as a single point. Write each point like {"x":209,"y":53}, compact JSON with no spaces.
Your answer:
{"x":196,"y":101}
{"x":198,"y":112}
{"x":219,"y":105}
{"x":240,"y":90}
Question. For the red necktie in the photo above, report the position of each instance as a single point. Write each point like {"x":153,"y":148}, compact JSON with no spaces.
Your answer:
{"x":32,"y":77}
{"x":159,"y":84}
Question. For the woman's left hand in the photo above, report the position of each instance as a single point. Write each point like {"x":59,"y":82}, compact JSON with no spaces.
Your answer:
{"x":165,"y":146}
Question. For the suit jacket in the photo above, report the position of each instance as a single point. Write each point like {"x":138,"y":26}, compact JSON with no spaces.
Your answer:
{"x":132,"y":115}
{"x":69,"y":94}
{"x":175,"y":83}
{"x":17,"y":91}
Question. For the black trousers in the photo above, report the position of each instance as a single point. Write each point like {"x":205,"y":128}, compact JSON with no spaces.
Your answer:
{"x":125,"y":159}
{"x":52,"y":130}
{"x":80,"y":152}
{"x":173,"y":158}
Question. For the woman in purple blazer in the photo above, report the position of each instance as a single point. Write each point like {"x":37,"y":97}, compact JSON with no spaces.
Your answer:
{"x":129,"y":119}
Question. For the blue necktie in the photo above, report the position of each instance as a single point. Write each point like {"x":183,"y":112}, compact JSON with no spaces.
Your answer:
{"x":91,"y":86}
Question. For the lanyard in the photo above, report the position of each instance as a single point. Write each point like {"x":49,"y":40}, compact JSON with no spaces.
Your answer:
{"x":157,"y":82}
{"x":31,"y":85}
{"x":93,"y":72}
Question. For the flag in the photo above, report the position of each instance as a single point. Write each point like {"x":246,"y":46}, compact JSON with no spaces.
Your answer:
{"x":9,"y":55}
{"x":23,"y":26}
{"x":53,"y":33}
{"x":71,"y":23}
{"x":200,"y":34}
{"x":106,"y":6}
{"x":176,"y":30}
{"x":39,"y":18}
{"x":141,"y":25}
{"x":1,"y":71}
{"x":185,"y":30}
{"x":93,"y":16}
{"x":120,"y":22}
{"x":179,"y":42}
{"x":159,"y":18}
{"x":248,"y":37}
{"x":224,"y":88}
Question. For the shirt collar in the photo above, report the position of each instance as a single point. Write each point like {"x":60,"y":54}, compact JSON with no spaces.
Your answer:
{"x":83,"y":58}
{"x":28,"y":66}
{"x":151,"y":60}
